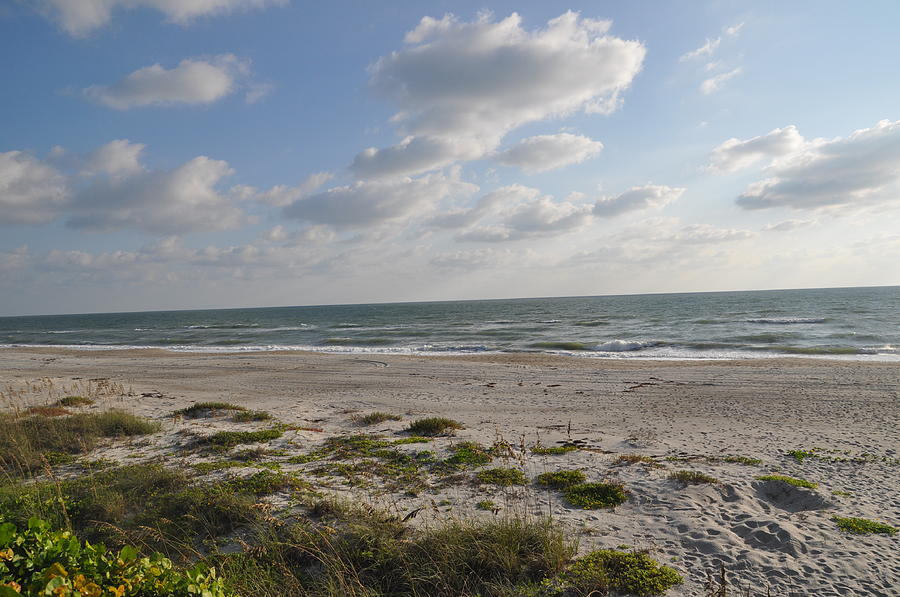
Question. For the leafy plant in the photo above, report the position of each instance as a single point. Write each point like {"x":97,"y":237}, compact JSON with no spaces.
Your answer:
{"x":610,"y":571}
{"x":743,"y":460}
{"x":801,"y":455}
{"x":592,"y":496}
{"x":560,"y":479}
{"x":541,"y":450}
{"x":41,"y":561}
{"x":73,"y":401}
{"x":469,"y":454}
{"x":207,"y":409}
{"x":789,"y":480}
{"x":229,"y":439}
{"x":863,"y":526}
{"x":248,"y":416}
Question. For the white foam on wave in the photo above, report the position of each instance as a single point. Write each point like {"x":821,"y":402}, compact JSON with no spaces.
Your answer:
{"x":787,"y":320}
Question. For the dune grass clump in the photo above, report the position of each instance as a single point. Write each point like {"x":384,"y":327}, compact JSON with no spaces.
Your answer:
{"x":250,"y":416}
{"x":614,"y":572}
{"x":230,"y":439}
{"x":74,"y":401}
{"x":504,"y":477}
{"x":541,"y":450}
{"x":200,"y":410}
{"x":560,"y":479}
{"x":789,"y":480}
{"x":374,"y":418}
{"x":593,"y":496}
{"x":863,"y":526}
{"x":693,"y":478}
{"x":27,"y":442}
{"x":745,"y":460}
{"x":469,"y":454}
{"x":358,"y":551}
{"x":47,"y":411}
{"x":434,"y":426}
{"x":801,"y":455}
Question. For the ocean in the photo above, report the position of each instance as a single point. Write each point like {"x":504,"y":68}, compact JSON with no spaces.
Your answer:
{"x":844,"y":323}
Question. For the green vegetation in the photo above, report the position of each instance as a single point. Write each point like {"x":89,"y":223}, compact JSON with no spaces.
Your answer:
{"x":249,"y":416}
{"x":560,"y":479}
{"x":789,"y":480}
{"x":39,"y":561}
{"x":541,"y":450}
{"x":842,"y":493}
{"x":354,"y":551}
{"x":229,"y":439}
{"x":414,"y":439}
{"x":488,"y":505}
{"x":26,"y":443}
{"x":73,"y":401}
{"x":434,"y":426}
{"x":207,"y":409}
{"x":592,"y":496}
{"x":47,"y":411}
{"x":693,"y":478}
{"x":863,"y":526}
{"x":609,"y":571}
{"x":469,"y":454}
{"x":801,"y":455}
{"x":504,"y":477}
{"x":743,"y":460}
{"x":376,"y":417}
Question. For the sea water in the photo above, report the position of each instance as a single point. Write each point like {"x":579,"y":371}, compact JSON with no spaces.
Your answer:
{"x":846,"y":323}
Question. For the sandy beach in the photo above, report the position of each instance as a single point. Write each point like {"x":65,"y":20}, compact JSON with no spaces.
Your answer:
{"x":681,"y":415}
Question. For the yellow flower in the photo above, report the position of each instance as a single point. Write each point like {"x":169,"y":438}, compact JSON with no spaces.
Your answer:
{"x":56,"y":570}
{"x":6,"y":554}
{"x":118,"y":591}
{"x":14,"y":586}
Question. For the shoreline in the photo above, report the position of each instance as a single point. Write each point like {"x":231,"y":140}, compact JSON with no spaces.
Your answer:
{"x":678,"y":414}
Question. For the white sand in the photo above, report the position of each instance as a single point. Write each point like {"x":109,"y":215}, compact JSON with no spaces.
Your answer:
{"x":765,"y":535}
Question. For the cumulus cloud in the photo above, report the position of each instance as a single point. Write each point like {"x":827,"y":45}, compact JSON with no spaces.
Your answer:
{"x":81,"y":17}
{"x":735,"y":154}
{"x":862,"y":169}
{"x":283,"y":195}
{"x":461,"y":86}
{"x":123,"y":194}
{"x":193,"y":82}
{"x":549,"y":152}
{"x":31,"y":192}
{"x":490,"y":204}
{"x":368,"y":203}
{"x":532,"y":216}
{"x":637,"y":198}
{"x":713,"y":84}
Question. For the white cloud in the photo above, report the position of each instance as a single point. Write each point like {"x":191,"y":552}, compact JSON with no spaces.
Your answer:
{"x":788,"y":225}
{"x":734,"y":29}
{"x":531,"y":218}
{"x":81,"y":17}
{"x":15,"y":259}
{"x":637,"y":198}
{"x":862,"y":169}
{"x":735,"y":154}
{"x":549,"y":152}
{"x":159,"y":202}
{"x":193,"y":81}
{"x":116,"y":158}
{"x":282,"y":195}
{"x":472,"y":259}
{"x":713,"y":84}
{"x":706,"y":49}
{"x":461,"y":86}
{"x":368,"y":203}
{"x":490,"y":204}
{"x":31,"y":192}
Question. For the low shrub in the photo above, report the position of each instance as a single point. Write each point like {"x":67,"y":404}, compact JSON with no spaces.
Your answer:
{"x":73,"y":401}
{"x":693,"y":478}
{"x":434,"y":426}
{"x":375,"y":418}
{"x":592,"y":496}
{"x":560,"y":479}
{"x":41,"y":561}
{"x":540,"y":450}
{"x":229,"y":439}
{"x":249,"y":416}
{"x":207,"y":409}
{"x":789,"y":480}
{"x":863,"y":526}
{"x":469,"y":454}
{"x":743,"y":460}
{"x":610,"y":571}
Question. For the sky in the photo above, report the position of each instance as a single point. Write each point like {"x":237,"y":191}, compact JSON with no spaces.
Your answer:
{"x":172,"y":154}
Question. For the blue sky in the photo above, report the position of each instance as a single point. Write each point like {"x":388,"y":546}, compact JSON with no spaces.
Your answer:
{"x":217,"y":153}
